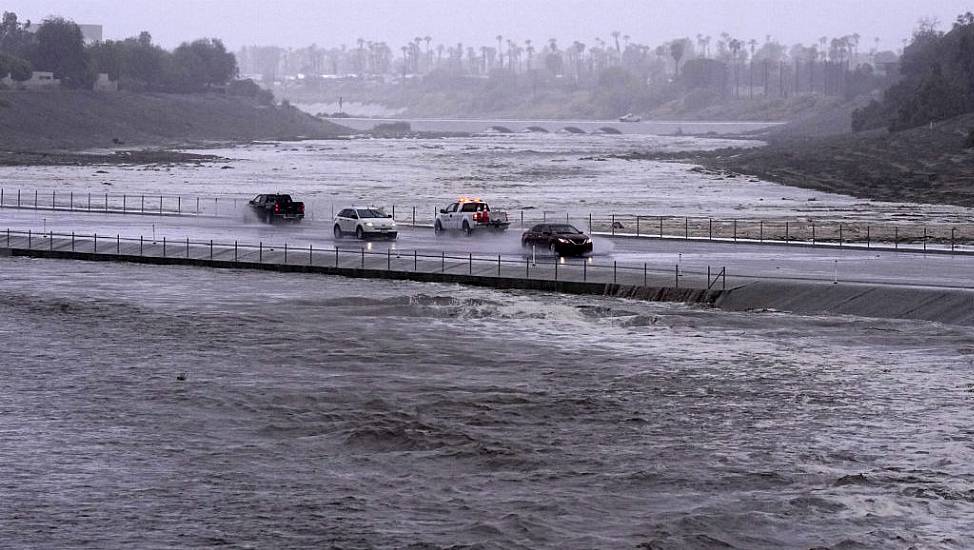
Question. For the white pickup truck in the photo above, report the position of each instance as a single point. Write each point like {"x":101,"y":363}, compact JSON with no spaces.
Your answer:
{"x":469,"y":215}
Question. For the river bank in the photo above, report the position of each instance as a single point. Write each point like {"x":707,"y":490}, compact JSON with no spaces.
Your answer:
{"x":924,"y":165}
{"x":60,"y":120}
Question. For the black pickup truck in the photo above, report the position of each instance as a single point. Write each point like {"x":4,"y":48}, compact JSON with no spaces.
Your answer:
{"x":273,"y":208}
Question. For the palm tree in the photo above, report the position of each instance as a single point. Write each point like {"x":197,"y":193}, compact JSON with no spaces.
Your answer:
{"x":615,"y":36}
{"x":500,"y":54}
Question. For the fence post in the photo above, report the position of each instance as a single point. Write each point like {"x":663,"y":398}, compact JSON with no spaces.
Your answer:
{"x":676,"y":275}
{"x":415,"y":260}
{"x":50,"y":241}
{"x":72,"y":239}
{"x":589,"y":222}
{"x":160,"y":204}
{"x":637,"y":226}
{"x":142,"y":208}
{"x":234,"y":251}
{"x":840,"y":235}
{"x":393,"y":211}
{"x":95,"y":246}
{"x":615,"y":271}
{"x":414,"y":216}
{"x":1,"y":197}
{"x":197,"y":206}
{"x":896,"y":237}
{"x":179,"y":204}
{"x":28,"y":240}
{"x":216,"y":206}
{"x":336,"y":257}
{"x":69,"y":208}
{"x":140,"y":244}
{"x":106,"y":202}
{"x":787,"y":237}
{"x":661,"y":227}
{"x":187,"y":247}
{"x":471,"y":264}
{"x":735,"y":231}
{"x":260,"y":252}
{"x":686,"y":228}
{"x":53,"y":200}
{"x":498,"y":265}
{"x":311,"y":254}
{"x":118,"y":244}
{"x":761,"y":231}
{"x":211,"y":250}
{"x":585,"y":271}
{"x":124,"y":200}
{"x":389,"y":255}
{"x":363,"y":257}
{"x":18,"y":198}
{"x":613,"y":224}
{"x":645,"y":275}
{"x":527,"y":268}
{"x":35,"y":199}
{"x":924,"y":238}
{"x":556,"y":267}
{"x":710,"y":230}
{"x":442,"y":262}
{"x":867,"y":237}
{"x":163,"y":247}
{"x":285,"y":253}
{"x":952,"y":229}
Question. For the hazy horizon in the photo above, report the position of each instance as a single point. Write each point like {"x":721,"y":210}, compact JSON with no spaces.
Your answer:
{"x":298,"y":23}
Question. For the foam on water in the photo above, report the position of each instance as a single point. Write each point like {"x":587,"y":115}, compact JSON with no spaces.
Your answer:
{"x":319,"y":411}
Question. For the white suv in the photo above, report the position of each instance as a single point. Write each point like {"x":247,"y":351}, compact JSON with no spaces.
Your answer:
{"x":469,"y":215}
{"x":365,"y":223}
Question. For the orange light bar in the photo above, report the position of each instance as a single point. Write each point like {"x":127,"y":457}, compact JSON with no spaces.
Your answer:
{"x":463,"y":200}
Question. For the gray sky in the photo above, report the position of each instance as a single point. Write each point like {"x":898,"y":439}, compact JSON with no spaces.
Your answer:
{"x":333,"y":22}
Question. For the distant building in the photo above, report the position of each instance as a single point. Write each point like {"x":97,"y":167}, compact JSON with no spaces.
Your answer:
{"x":39,"y":80}
{"x":105,"y":84}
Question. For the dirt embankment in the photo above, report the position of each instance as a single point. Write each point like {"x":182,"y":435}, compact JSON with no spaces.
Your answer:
{"x":924,"y":165}
{"x":44,"y":121}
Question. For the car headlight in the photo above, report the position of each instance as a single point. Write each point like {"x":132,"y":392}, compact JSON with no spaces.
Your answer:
{"x":392,"y":224}
{"x":369,"y":224}
{"x":563,"y":241}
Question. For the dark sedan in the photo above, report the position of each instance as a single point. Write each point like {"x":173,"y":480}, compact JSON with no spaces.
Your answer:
{"x":561,"y":238}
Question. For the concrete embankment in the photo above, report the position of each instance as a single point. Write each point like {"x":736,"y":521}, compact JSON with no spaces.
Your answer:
{"x":946,"y":305}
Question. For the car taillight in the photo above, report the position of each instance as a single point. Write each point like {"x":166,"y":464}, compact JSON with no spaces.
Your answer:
{"x":277,"y":207}
{"x":301,"y":208}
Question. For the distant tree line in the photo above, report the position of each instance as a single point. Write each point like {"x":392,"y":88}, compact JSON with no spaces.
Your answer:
{"x":619,"y":74}
{"x":57,"y":45}
{"x":938,"y":80}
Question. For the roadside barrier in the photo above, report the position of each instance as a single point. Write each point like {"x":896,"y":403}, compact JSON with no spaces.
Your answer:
{"x":361,"y":259}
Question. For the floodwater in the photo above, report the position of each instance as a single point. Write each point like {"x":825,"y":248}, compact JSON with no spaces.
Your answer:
{"x":152,"y":407}
{"x":553,"y":173}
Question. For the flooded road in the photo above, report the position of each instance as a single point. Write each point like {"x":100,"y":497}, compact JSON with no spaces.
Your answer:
{"x":161,"y":407}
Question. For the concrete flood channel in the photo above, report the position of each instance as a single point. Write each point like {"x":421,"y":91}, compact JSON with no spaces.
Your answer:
{"x":714,"y":288}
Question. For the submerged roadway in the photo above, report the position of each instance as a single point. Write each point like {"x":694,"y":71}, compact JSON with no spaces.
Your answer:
{"x":765,"y":261}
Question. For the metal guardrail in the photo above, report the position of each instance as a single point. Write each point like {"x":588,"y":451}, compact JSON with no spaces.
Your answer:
{"x":546,"y":268}
{"x":805,"y":230}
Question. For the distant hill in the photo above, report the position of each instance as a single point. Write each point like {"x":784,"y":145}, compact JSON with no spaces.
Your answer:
{"x":71,"y":120}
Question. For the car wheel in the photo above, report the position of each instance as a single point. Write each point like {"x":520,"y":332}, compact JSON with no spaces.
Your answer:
{"x":338,"y":233}
{"x":359,"y":233}
{"x":437,"y":228}
{"x":466,"y":229}
{"x":554,"y":249}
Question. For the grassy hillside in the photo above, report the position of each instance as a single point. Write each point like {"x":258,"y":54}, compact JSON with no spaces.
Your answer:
{"x":57,"y":120}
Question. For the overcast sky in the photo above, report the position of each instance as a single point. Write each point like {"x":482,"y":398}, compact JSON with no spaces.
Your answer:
{"x":298,"y":23}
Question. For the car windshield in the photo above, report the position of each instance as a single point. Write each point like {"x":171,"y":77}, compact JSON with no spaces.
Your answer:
{"x":564,"y":228}
{"x":371,"y":213}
